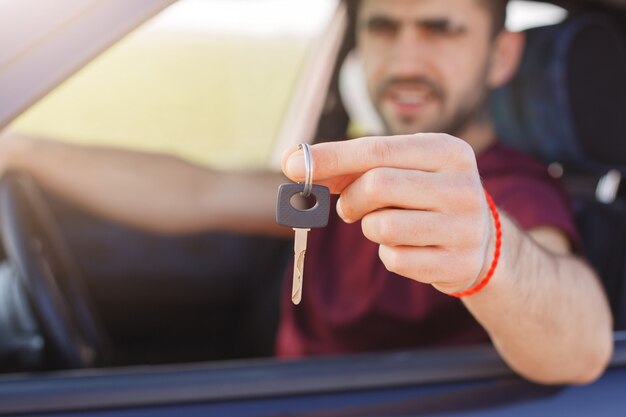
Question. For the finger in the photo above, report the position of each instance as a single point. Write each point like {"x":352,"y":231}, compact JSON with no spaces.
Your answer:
{"x":286,"y":154}
{"x":393,"y":227}
{"x":424,"y":151}
{"x":396,"y":227}
{"x":411,"y":189}
{"x":389,"y":187}
{"x":336,"y":185}
{"x":430,"y":265}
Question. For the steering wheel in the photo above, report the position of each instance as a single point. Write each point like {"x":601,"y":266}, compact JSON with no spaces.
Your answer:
{"x":38,"y":252}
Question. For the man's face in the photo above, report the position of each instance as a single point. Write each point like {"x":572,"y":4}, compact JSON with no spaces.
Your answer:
{"x":426,"y":62}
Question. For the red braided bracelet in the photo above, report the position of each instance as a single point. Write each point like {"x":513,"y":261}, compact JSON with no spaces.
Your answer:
{"x":496,"y":253}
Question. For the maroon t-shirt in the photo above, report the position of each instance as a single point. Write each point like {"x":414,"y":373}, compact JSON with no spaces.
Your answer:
{"x":351,"y":303}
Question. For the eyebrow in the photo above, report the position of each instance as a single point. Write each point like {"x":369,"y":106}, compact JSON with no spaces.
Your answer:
{"x":441,"y":23}
{"x":427,"y":22}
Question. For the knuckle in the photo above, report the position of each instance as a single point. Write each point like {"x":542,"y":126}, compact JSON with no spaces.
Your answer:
{"x":449,"y":140}
{"x":370,"y":181}
{"x":458,"y":152}
{"x":375,"y":181}
{"x":382,"y":148}
{"x":466,"y":156}
{"x":441,"y":148}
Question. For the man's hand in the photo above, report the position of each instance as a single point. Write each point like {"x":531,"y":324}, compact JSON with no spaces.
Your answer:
{"x":418,"y":196}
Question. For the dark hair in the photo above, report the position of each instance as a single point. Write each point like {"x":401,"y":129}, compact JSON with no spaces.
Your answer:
{"x":496,"y":8}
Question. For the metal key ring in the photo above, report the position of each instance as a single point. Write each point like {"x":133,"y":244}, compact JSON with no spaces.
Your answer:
{"x":308,"y":168}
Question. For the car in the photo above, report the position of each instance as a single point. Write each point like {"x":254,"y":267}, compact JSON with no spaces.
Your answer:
{"x":93,"y":322}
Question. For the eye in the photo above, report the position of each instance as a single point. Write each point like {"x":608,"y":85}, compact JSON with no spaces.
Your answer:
{"x":441,"y":27}
{"x":382,"y":27}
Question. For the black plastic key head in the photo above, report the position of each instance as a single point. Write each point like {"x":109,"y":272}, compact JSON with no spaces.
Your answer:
{"x":288,"y":215}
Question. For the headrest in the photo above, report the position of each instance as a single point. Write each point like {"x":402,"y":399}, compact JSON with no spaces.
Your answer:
{"x":567,"y":102}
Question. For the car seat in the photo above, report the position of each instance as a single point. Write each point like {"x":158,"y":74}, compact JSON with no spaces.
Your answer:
{"x":567,"y":106}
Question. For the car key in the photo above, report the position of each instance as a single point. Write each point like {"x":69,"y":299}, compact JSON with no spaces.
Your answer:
{"x":302,"y":220}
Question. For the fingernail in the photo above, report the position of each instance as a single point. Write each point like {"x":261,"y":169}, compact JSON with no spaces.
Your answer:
{"x":295,"y":166}
{"x":342,"y":216}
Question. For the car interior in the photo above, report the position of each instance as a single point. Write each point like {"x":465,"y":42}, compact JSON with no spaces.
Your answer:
{"x":76,"y":297}
{"x":565,"y":107}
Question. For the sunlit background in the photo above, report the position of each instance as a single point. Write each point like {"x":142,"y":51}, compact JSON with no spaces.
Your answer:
{"x":208,"y":80}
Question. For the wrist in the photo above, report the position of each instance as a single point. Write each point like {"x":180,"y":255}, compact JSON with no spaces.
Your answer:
{"x":494,"y":249}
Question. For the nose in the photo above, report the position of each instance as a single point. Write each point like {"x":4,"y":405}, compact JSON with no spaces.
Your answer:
{"x":407,"y":53}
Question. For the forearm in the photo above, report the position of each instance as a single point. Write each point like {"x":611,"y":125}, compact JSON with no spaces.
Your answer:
{"x":151,"y":191}
{"x":546,"y":314}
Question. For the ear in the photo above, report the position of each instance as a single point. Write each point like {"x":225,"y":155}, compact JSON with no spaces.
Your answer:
{"x":506,"y":54}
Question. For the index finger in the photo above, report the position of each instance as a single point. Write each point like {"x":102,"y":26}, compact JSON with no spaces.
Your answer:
{"x":335,"y":162}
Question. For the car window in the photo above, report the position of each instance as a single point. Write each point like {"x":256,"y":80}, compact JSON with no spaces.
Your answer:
{"x":208,"y":80}
{"x":522,"y":14}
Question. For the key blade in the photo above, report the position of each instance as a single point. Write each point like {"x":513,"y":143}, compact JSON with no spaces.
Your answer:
{"x":299,"y":250}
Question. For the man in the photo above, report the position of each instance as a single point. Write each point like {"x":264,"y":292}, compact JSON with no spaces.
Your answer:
{"x":414,"y":201}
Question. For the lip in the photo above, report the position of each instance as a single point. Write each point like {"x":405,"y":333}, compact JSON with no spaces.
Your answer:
{"x":408,"y":101}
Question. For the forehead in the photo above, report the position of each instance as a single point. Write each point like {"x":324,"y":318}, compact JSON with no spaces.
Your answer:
{"x":458,"y":10}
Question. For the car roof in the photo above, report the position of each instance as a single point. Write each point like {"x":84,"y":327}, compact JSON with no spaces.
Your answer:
{"x":610,"y":3}
{"x":43,"y":43}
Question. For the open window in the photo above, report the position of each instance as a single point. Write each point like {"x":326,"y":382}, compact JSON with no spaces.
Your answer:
{"x":218,"y":76}
{"x":219,"y":83}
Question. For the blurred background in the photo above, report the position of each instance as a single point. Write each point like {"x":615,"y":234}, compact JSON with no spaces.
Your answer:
{"x":202,"y":78}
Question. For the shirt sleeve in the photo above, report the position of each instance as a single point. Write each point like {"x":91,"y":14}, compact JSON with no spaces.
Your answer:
{"x":535,"y":201}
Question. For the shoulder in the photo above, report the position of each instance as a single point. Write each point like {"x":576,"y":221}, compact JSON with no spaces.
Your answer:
{"x":500,"y":160}
{"x":507,"y":172}
{"x":522,"y":187}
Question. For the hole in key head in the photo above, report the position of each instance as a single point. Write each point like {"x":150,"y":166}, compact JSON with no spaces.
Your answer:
{"x":301,"y":202}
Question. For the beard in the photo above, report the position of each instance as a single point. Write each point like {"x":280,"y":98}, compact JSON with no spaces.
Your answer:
{"x":450,"y":118}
